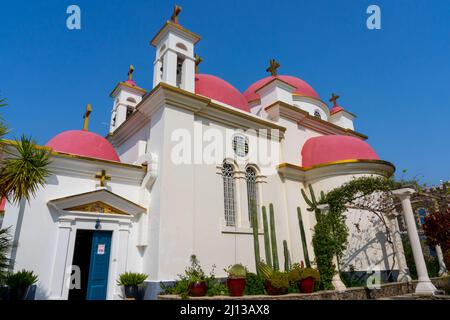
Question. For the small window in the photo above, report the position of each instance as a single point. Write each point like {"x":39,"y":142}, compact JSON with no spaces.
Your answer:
{"x":132,"y":100}
{"x":229,"y":194}
{"x":240,"y":145}
{"x":181,"y":46}
{"x":252,"y":191}
{"x":180,"y":62}
{"x":317,"y":114}
{"x":129,"y":112}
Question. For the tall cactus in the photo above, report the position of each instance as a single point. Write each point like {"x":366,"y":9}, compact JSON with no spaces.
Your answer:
{"x":266,"y":238}
{"x":287,"y":262}
{"x":273,"y":236}
{"x":303,"y":237}
{"x":254,"y":219}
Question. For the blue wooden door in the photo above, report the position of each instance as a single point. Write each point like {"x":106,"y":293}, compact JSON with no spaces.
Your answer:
{"x":98,"y":271}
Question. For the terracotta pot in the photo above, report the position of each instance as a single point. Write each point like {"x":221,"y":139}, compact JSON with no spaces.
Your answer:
{"x":198,"y":289}
{"x":236,"y":287}
{"x":274,"y":291}
{"x":306,"y":285}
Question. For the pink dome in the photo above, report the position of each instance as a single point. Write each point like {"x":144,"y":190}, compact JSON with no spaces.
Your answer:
{"x":84,"y":143}
{"x":333,"y":148}
{"x":2,"y":204}
{"x":215,"y":88}
{"x":303,"y":88}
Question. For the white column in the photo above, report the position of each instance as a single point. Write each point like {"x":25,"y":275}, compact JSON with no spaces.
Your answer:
{"x":403,"y":275}
{"x":442,"y":268}
{"x":425,"y":286}
{"x":169,"y":75}
{"x":157,"y":72}
{"x":60,"y":272}
{"x":336,"y":281}
{"x":188,"y":75}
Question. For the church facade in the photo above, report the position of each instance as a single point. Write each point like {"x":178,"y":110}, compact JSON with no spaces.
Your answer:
{"x":177,"y":173}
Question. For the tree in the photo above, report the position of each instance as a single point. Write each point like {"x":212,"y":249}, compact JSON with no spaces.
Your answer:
{"x":23,"y":170}
{"x":437,"y":229}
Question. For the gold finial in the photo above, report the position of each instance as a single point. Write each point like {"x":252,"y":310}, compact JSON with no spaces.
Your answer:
{"x":86,"y":117}
{"x":274,"y":65}
{"x":334,"y":98}
{"x":103,"y":178}
{"x":130,"y":72}
{"x":175,"y":14}
{"x":198,"y":60}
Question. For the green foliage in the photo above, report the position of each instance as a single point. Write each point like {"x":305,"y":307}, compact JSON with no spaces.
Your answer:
{"x":264,"y":270}
{"x":273,"y":237}
{"x":254,"y":285}
{"x":432,"y":263}
{"x":303,"y":237}
{"x":279,"y":280}
{"x":24,"y":171}
{"x":238,"y":271}
{"x":254,"y":218}
{"x":21,"y":279}
{"x":215,"y":287}
{"x":194,"y":273}
{"x":331,"y":232}
{"x":131,"y":279}
{"x":266,"y":238}
{"x":298,"y":273}
{"x":350,"y":278}
{"x":5,"y":246}
{"x":287,"y":263}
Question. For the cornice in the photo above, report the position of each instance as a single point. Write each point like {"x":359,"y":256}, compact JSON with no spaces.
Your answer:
{"x":170,"y":24}
{"x":138,"y":90}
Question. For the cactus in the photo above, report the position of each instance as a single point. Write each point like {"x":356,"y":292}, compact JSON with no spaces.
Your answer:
{"x":238,"y":271}
{"x":287,"y":262}
{"x":266,"y":238}
{"x":254,"y":218}
{"x":273,"y":236}
{"x":303,"y":237}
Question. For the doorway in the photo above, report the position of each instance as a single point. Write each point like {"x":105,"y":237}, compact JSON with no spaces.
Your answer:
{"x":91,"y":255}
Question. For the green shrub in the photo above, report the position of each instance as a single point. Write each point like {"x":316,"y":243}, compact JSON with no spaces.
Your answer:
{"x":298,"y":273}
{"x":131,"y":279}
{"x":238,"y":271}
{"x":255,"y":285}
{"x":21,"y":278}
{"x":279,"y":280}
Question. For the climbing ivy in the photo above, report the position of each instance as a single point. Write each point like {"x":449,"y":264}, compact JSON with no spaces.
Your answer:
{"x":330,"y":231}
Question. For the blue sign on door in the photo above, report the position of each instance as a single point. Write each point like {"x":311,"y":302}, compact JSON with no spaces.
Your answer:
{"x":98,"y":271}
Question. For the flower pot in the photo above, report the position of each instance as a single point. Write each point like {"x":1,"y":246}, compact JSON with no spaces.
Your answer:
{"x":274,"y":291}
{"x":131,"y":292}
{"x":306,"y":285}
{"x":236,"y":287}
{"x":18,"y":293}
{"x":198,"y":289}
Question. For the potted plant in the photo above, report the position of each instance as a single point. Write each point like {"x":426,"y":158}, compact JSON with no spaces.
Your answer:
{"x":132,"y":282}
{"x":196,"y":278}
{"x":304,"y":277}
{"x":275,"y":282}
{"x":19,"y":284}
{"x":237,"y":278}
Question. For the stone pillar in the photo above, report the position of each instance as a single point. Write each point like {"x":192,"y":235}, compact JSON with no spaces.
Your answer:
{"x":336,"y":281}
{"x":442,"y":268}
{"x":425,"y":286}
{"x":403,"y":275}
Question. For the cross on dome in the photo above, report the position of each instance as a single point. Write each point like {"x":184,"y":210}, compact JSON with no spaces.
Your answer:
{"x":175,"y":14}
{"x":86,"y":117}
{"x":334,"y":98}
{"x":274,"y":65}
{"x":198,"y":60}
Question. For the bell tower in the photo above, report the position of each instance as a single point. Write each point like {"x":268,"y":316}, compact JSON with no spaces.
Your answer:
{"x":175,"y":61}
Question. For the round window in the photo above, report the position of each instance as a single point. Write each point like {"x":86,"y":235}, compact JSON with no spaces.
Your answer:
{"x":240,"y":145}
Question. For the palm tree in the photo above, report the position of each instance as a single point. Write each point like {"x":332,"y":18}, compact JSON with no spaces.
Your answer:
{"x":23,"y":170}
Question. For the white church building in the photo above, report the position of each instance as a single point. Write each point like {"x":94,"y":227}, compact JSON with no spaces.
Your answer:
{"x":176,"y":174}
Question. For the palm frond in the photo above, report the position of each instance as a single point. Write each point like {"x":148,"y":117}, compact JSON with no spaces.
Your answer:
{"x":24,"y":171}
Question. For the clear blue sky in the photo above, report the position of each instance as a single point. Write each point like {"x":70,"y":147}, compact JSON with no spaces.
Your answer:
{"x":396,"y":80}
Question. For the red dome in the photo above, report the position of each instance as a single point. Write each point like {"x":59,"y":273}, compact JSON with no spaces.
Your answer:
{"x":2,"y":204}
{"x":332,"y":148}
{"x":303,"y":88}
{"x":84,"y":143}
{"x":220,"y":90}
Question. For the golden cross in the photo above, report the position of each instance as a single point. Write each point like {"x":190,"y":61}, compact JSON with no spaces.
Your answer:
{"x":103,"y":178}
{"x":334,"y":98}
{"x":274,"y":65}
{"x":198,"y":60}
{"x":86,"y":117}
{"x":175,"y":14}
{"x":130,"y":72}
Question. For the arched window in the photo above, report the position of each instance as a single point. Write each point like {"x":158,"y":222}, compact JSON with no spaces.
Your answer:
{"x":181,"y":46}
{"x":229,"y":194}
{"x":132,"y":100}
{"x":317,"y":114}
{"x":252,"y":191}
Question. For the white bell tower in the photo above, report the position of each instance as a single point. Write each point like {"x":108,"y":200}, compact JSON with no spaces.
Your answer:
{"x":127,"y":96}
{"x":175,"y":61}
